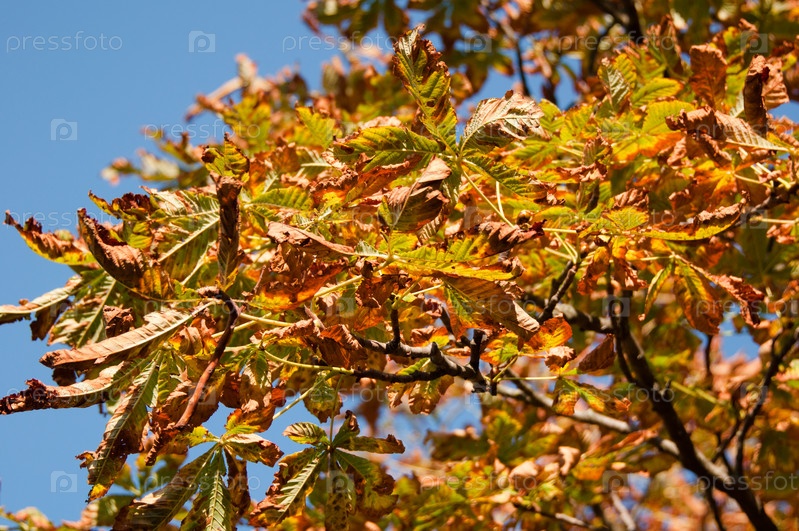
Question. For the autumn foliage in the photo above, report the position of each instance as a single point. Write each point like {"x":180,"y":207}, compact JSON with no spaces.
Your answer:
{"x":394,"y":241}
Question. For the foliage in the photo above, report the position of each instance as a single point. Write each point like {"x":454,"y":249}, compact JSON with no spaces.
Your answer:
{"x":572,"y":270}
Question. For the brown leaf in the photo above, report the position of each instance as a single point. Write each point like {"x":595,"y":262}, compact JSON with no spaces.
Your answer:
{"x":600,"y":358}
{"x":748,"y":297}
{"x":59,"y":247}
{"x":553,"y":333}
{"x":410,"y":208}
{"x":117,"y":320}
{"x":281,"y":233}
{"x":709,"y":74}
{"x":228,"y":249}
{"x":157,"y":326}
{"x":558,"y":357}
{"x":124,"y":263}
{"x":593,"y":172}
{"x":501,"y":237}
{"x":41,"y":396}
{"x":597,"y":267}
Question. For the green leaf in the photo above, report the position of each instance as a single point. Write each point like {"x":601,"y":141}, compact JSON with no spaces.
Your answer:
{"x":296,"y":488}
{"x":653,"y":90}
{"x":227,"y":160}
{"x":82,"y":323}
{"x":212,"y":508}
{"x":615,"y":84}
{"x":306,"y":433}
{"x":252,"y":447}
{"x":188,"y":222}
{"x":156,"y":510}
{"x":322,"y":129}
{"x":416,"y":63}
{"x":123,"y":432}
{"x":656,"y":285}
{"x":385,"y":146}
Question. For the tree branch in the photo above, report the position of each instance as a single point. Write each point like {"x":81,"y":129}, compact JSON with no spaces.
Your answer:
{"x":687,"y":452}
{"x":749,"y":420}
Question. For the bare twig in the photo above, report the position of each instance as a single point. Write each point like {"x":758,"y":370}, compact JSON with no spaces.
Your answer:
{"x":559,"y":288}
{"x":560,"y":517}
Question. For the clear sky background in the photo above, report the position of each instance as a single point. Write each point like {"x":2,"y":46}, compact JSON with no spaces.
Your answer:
{"x":80,"y":82}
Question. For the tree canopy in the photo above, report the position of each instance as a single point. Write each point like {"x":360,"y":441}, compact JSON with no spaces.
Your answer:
{"x":393,"y":242}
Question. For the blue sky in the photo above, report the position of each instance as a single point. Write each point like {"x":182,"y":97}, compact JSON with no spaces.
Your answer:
{"x":80,"y":85}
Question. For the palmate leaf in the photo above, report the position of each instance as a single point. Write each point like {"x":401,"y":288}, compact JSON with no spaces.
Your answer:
{"x":416,"y":63}
{"x":293,"y":491}
{"x":123,"y":433}
{"x":82,"y":394}
{"x":159,"y":326}
{"x":156,"y":510}
{"x":386,"y":146}
{"x":212,"y":508}
{"x":10,"y":313}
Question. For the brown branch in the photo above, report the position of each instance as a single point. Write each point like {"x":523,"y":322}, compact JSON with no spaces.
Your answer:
{"x":749,"y":420}
{"x":559,"y":288}
{"x":221,"y":345}
{"x":687,"y":452}
{"x":520,"y":67}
